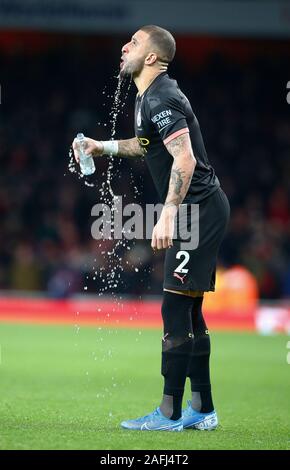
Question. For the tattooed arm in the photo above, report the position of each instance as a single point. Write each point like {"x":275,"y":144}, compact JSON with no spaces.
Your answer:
{"x":181,"y":173}
{"x":182,"y":169}
{"x":129,"y":148}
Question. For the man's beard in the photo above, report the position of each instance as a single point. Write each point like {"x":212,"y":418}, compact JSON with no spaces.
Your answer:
{"x":132,"y":69}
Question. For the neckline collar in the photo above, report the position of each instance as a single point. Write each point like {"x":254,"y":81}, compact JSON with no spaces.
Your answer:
{"x":153,"y":81}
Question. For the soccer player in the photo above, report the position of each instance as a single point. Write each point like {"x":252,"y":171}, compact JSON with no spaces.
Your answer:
{"x":168,"y":136}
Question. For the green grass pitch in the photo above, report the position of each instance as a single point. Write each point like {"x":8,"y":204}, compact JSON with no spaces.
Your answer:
{"x":68,"y":388}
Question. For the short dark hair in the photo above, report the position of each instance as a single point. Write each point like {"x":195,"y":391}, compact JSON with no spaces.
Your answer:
{"x":162,"y":40}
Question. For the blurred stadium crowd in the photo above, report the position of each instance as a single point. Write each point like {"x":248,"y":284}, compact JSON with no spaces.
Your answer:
{"x":45,"y":238}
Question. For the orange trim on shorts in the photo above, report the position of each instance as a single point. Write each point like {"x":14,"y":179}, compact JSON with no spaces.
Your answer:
{"x":185,"y":130}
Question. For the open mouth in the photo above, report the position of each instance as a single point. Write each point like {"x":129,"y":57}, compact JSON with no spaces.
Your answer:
{"x":122,"y":62}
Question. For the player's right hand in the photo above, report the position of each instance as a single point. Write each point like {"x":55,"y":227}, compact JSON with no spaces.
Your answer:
{"x":92,"y":147}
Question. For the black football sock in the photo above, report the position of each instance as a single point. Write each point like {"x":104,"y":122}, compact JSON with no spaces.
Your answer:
{"x":171,"y":406}
{"x":202,"y":401}
{"x":176,"y":349}
{"x":166,"y":406}
{"x":196,"y":401}
{"x":198,"y":370}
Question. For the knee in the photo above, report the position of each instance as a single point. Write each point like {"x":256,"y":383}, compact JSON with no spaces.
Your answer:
{"x":176,"y":315}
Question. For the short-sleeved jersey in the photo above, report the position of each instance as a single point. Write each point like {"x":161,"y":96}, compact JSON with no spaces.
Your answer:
{"x":162,"y":113}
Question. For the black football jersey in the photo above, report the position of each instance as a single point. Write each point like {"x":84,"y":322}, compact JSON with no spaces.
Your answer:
{"x":163,"y":112}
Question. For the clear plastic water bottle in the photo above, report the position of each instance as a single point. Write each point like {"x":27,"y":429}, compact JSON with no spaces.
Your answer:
{"x":87,"y":164}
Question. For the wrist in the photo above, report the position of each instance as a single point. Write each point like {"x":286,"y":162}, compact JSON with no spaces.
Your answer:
{"x":97,"y":149}
{"x":110,"y":147}
{"x":170,"y":209}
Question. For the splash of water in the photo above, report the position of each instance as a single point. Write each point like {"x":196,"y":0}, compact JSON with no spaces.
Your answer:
{"x":117,"y":107}
{"x":109,"y":276}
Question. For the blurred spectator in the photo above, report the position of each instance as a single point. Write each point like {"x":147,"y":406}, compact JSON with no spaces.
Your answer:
{"x":25,"y":270}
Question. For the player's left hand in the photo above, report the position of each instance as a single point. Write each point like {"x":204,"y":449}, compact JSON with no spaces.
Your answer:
{"x":163,"y":231}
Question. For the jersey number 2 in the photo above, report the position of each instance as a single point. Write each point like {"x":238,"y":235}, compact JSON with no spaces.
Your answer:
{"x":180,"y":268}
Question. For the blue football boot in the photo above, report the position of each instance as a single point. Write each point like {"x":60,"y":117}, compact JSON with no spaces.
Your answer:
{"x":155,"y":421}
{"x":202,"y":421}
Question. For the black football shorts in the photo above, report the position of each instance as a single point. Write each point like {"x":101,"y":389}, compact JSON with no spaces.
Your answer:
{"x":190,"y":264}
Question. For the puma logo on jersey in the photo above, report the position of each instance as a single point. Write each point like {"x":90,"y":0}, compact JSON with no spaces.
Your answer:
{"x":181,"y":278}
